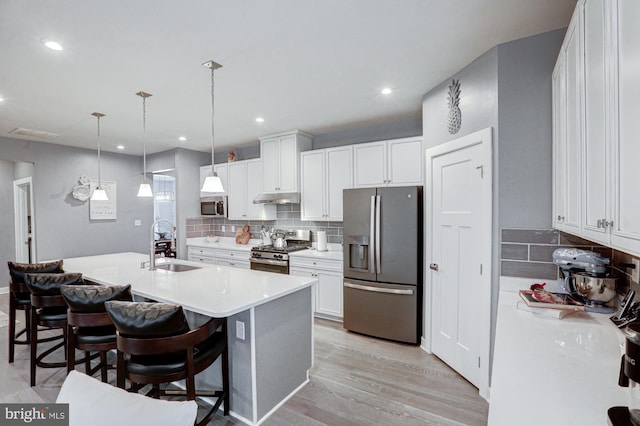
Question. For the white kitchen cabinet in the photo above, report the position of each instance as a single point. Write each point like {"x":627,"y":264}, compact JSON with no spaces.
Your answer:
{"x":280,"y":160}
{"x":244,"y":184}
{"x":221,"y":170}
{"x":600,"y":93}
{"x":595,"y":149}
{"x":325,"y":173}
{"x":219,"y":256}
{"x":328,"y":294}
{"x":202,"y":255}
{"x":233,"y":258}
{"x":388,"y":163}
{"x":567,"y":139}
{"x":625,"y":149}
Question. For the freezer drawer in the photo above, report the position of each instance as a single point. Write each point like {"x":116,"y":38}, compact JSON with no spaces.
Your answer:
{"x":382,"y":310}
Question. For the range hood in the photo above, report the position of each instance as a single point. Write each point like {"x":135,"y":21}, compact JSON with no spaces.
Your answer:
{"x":278,"y":198}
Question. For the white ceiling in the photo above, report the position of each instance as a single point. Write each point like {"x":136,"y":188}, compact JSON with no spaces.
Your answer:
{"x":317,"y":66}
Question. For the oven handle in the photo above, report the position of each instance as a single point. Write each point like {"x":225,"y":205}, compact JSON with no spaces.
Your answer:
{"x":269,"y":261}
{"x":378,"y":289}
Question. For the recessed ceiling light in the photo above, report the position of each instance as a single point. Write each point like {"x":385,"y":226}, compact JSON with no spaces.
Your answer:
{"x":51,"y":44}
{"x":120,"y":147}
{"x":1,"y":99}
{"x":260,"y":120}
{"x":386,"y":91}
{"x":182,"y":139}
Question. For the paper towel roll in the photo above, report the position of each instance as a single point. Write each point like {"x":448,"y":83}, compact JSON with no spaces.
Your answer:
{"x":322,"y":241}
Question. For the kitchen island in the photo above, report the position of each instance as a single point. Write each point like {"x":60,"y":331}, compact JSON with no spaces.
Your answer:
{"x":269,"y":320}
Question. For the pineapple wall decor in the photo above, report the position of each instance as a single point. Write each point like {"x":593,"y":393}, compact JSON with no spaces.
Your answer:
{"x":454,"y":119}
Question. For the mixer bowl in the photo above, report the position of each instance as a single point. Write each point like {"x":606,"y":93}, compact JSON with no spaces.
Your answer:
{"x":591,"y":289}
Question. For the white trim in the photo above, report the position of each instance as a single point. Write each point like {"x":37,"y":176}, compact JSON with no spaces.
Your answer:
{"x":254,"y":377}
{"x":19,"y":214}
{"x":485,"y":139}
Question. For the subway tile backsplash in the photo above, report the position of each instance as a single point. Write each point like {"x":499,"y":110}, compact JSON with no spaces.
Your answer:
{"x":528,"y":253}
{"x":288,"y":217}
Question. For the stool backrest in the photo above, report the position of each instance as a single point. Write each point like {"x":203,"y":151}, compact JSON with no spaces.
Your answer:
{"x":17,"y":272}
{"x":91,"y":298}
{"x":147,"y":320}
{"x":47,"y":284}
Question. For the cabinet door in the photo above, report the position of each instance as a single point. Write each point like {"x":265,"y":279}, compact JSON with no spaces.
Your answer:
{"x":625,"y":233}
{"x":237,"y":190}
{"x":559,"y":142}
{"x":370,"y":164}
{"x":596,"y":158}
{"x":288,"y":164}
{"x":405,"y":162}
{"x":307,"y":273}
{"x":339,"y":176}
{"x":270,"y":164}
{"x":329,"y":294}
{"x":254,"y":188}
{"x":312,"y":203}
{"x":574,"y":128}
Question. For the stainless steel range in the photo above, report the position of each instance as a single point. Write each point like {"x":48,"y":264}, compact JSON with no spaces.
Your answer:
{"x":275,"y":257}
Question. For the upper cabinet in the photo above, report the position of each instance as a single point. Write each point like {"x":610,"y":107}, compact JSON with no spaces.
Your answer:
{"x":596,"y":87}
{"x":221,"y":170}
{"x":388,"y":163}
{"x":567,"y":136}
{"x":244,"y":184}
{"x":325,"y":173}
{"x":280,"y":160}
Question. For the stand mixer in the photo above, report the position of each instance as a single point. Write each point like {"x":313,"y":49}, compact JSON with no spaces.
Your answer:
{"x":585,"y":276}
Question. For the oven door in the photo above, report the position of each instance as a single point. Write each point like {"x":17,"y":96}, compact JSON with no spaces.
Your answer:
{"x":270,"y":265}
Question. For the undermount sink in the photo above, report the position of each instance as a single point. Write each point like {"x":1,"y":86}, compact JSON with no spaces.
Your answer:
{"x":176,"y":267}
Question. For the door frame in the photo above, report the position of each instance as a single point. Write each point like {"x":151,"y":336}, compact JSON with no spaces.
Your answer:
{"x":485,"y":139}
{"x":20,"y":203}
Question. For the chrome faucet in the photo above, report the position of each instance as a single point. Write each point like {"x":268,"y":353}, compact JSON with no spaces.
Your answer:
{"x":152,"y":252}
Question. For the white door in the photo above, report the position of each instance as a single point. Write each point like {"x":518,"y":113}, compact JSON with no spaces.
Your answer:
{"x":312,"y":185}
{"x":237,"y":190}
{"x":339,"y":177}
{"x":459,"y":254}
{"x":24,"y":218}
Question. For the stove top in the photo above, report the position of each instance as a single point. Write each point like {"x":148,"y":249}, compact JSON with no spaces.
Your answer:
{"x":272,"y":249}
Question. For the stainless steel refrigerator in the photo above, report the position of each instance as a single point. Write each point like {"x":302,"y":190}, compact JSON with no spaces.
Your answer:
{"x":383,"y":262}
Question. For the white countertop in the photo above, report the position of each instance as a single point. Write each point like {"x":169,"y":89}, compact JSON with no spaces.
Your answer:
{"x":549,"y":371}
{"x":315,"y":254}
{"x":230,"y":244}
{"x":211,"y":290}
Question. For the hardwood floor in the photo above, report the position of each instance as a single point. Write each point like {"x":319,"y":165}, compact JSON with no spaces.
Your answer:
{"x":356,"y":380}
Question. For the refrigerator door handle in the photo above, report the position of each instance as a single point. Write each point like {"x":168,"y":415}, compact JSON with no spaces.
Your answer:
{"x":377,"y":245}
{"x":379,"y":289}
{"x":372,"y":234}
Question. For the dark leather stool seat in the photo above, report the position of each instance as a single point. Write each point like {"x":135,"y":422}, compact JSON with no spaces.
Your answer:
{"x":89,"y":327}
{"x":20,"y":298}
{"x":156,"y":345}
{"x":48,"y":312}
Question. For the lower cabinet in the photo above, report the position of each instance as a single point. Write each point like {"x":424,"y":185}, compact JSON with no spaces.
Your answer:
{"x":217,"y":256}
{"x":328,"y":294}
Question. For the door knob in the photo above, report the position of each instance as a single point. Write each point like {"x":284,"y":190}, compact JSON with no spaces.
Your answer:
{"x":433,"y":266}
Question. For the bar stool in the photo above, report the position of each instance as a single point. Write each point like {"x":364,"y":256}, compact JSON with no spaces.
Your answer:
{"x":155,"y":346}
{"x":89,"y":327}
{"x":20,"y":299}
{"x":48,"y":312}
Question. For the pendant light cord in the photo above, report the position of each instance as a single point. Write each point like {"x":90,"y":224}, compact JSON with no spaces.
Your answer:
{"x":212,"y":124}
{"x":99,"y":171}
{"x":144,"y":140}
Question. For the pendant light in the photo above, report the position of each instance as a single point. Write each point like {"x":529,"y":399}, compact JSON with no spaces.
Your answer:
{"x":99,"y":194}
{"x":212,"y":183}
{"x":145,"y":188}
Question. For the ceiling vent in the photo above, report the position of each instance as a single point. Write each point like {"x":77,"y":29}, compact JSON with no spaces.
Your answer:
{"x":33,"y":134}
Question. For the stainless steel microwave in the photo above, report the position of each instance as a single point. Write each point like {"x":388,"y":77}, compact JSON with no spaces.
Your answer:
{"x":214,"y":206}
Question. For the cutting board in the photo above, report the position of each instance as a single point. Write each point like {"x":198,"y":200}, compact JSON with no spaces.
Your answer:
{"x":242,"y":235}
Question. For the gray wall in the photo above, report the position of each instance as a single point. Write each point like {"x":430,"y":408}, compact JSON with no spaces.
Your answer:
{"x":509,"y":89}
{"x":7,"y":248}
{"x":524,"y":96}
{"x":63,"y":228}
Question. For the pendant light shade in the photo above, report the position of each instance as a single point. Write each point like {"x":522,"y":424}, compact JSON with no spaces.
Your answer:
{"x":99,"y":194}
{"x":145,"y":188}
{"x":212,"y":183}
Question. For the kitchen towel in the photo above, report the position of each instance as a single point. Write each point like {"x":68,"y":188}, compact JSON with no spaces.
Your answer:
{"x":322,"y":241}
